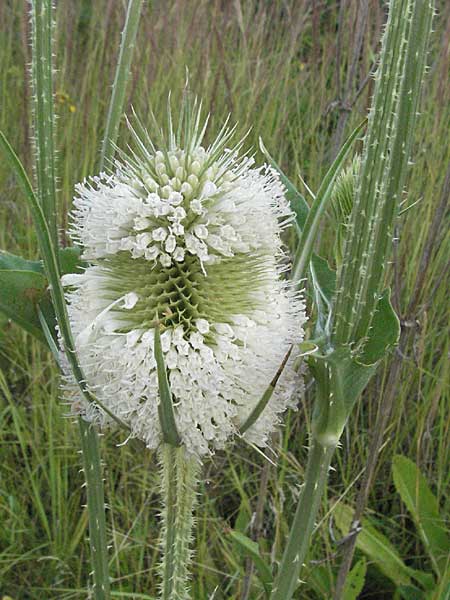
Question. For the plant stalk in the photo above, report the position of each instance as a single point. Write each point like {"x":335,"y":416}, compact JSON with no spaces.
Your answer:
{"x":43,"y":110}
{"x":96,"y":509}
{"x":301,"y":529}
{"x":178,"y":482}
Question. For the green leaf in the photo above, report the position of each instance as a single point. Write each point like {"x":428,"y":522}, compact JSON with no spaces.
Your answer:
{"x":20,"y":294}
{"x":410,"y":592}
{"x":251,"y":549}
{"x":424,"y":508}
{"x":310,"y":229}
{"x":320,"y":578}
{"x":441,"y":591}
{"x":265,"y":398}
{"x":324,"y":276}
{"x":379,"y":549}
{"x":17,"y":263}
{"x":243,"y":518}
{"x":383,"y":333}
{"x":23,"y":287}
{"x":165,"y":406}
{"x":69,"y":260}
{"x":323,"y":280}
{"x":295,"y":198}
{"x":340,"y":380}
{"x":355,"y":581}
{"x":375,"y":546}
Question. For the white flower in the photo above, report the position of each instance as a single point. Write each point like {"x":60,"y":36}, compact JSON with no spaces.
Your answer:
{"x":189,"y":236}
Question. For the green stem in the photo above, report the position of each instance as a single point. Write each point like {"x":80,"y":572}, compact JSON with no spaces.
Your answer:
{"x":178,"y":482}
{"x":43,"y":113}
{"x":96,"y":509}
{"x":120,"y":81}
{"x":300,"y":532}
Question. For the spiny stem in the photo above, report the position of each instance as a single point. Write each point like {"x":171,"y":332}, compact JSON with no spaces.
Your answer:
{"x":43,"y":113}
{"x":301,"y":529}
{"x":96,"y":509}
{"x":383,"y":169}
{"x":178,"y":482}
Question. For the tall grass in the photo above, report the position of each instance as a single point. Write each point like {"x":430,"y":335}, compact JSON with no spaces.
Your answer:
{"x":273,"y":66}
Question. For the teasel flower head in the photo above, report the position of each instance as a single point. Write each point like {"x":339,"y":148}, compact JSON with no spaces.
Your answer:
{"x":187,"y":238}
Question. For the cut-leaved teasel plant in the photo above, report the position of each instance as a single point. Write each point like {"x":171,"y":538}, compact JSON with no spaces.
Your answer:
{"x":361,"y":325}
{"x":182,"y":317}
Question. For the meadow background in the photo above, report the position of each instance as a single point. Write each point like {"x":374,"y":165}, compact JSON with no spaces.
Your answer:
{"x":296,"y":72}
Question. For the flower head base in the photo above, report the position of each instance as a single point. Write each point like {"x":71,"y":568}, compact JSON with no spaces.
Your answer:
{"x":189,"y":238}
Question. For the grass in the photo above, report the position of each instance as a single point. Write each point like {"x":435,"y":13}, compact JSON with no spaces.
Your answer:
{"x":273,"y":67}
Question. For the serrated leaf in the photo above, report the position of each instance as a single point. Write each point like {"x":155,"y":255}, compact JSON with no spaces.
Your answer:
{"x":383,"y":333}
{"x":251,"y":549}
{"x":355,"y":581}
{"x":424,"y":508}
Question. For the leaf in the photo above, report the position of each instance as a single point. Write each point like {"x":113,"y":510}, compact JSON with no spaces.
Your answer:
{"x":320,"y":578}
{"x":410,"y":592}
{"x":53,"y":272}
{"x":311,"y":226}
{"x":424,"y":508}
{"x":383,"y":333}
{"x":18,"y":263}
{"x":243,"y":517}
{"x":295,"y":198}
{"x":375,"y":546}
{"x":20,"y":294}
{"x":323,"y":280}
{"x":340,"y":380}
{"x":24,"y":287}
{"x":165,"y":406}
{"x":251,"y":549}
{"x":324,"y":276}
{"x":355,"y":581}
{"x":69,"y":260}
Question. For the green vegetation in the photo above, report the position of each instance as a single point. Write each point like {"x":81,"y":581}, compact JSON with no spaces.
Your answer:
{"x":273,"y":66}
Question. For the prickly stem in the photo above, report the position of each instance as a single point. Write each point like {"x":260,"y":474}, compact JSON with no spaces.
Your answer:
{"x":382,"y":175}
{"x":41,"y":12}
{"x":96,"y":510}
{"x":360,"y":279}
{"x":179,"y":474}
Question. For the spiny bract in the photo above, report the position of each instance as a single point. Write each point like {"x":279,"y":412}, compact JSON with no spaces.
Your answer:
{"x":189,"y":238}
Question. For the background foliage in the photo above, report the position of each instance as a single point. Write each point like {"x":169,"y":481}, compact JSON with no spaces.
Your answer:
{"x":282,"y":68}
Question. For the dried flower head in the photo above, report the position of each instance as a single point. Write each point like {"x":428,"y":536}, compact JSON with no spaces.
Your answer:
{"x":188,"y":237}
